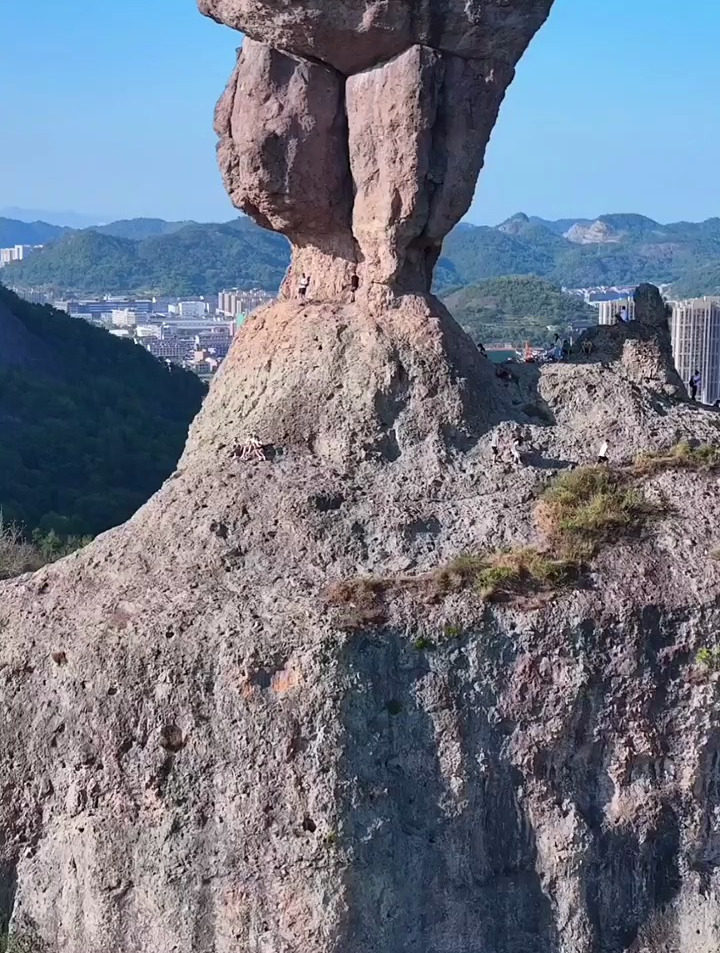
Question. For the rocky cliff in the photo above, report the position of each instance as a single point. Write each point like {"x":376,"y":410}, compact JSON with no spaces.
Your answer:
{"x":269,"y":713}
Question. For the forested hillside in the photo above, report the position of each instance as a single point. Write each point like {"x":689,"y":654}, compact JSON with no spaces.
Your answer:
{"x":90,"y":425}
{"x":516,"y":310}
{"x":189,"y":260}
{"x":151,"y":256}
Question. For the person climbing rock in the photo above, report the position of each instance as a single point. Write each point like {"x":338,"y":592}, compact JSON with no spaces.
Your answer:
{"x":495,"y":444}
{"x":695,"y":384}
{"x":603,"y":451}
{"x":303,"y":287}
{"x":516,"y":452}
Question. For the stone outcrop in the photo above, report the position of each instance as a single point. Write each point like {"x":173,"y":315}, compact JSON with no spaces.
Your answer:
{"x":359,"y":129}
{"x":199,"y":754}
{"x":203,"y":748}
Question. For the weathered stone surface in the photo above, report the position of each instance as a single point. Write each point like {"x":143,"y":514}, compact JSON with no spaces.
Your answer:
{"x":392,"y":112}
{"x":353,"y":35}
{"x":423,"y":93}
{"x":283,"y":152}
{"x":198,"y":756}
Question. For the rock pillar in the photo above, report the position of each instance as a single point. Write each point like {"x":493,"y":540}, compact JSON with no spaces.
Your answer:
{"x":359,"y":129}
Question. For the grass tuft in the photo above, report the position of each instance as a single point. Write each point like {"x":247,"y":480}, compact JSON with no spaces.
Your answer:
{"x":682,"y":456}
{"x":586,"y":507}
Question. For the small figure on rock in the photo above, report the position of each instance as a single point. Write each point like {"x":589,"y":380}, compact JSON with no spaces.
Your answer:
{"x":603,"y":451}
{"x":566,"y":349}
{"x":516,"y":451}
{"x":587,"y":347}
{"x":252,"y":449}
{"x":695,"y":384}
{"x":303,"y":287}
{"x":354,"y":285}
{"x":495,"y":444}
{"x":624,"y":315}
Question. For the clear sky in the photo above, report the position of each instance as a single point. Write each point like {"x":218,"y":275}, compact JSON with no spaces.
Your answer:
{"x":107,"y":109}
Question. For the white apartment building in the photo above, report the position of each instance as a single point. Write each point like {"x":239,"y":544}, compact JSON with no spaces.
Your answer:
{"x":16,"y":253}
{"x":193,"y":309}
{"x":123,"y":318}
{"x":608,"y":311}
{"x":695,"y":330}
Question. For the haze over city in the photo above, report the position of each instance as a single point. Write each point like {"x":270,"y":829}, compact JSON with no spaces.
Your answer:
{"x":112,"y":114}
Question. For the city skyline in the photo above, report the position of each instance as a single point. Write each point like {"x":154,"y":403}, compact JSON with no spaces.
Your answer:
{"x":118,"y":104}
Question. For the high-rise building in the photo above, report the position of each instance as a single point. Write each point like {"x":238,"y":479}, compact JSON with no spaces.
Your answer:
{"x":696,"y":343}
{"x":609,"y":312}
{"x":16,"y":253}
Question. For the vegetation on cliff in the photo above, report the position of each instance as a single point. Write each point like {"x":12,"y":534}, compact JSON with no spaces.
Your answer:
{"x":91,"y":432}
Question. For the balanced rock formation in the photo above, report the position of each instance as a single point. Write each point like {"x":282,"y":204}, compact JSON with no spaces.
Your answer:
{"x":264,"y":715}
{"x":359,"y":129}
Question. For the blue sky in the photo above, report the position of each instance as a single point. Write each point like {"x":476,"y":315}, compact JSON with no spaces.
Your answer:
{"x":107,"y":109}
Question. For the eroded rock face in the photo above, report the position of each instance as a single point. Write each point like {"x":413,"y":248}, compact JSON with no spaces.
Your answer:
{"x":359,"y":129}
{"x":353,"y":35}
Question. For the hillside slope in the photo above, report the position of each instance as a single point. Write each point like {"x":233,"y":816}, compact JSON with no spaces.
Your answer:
{"x":516,"y":309}
{"x":90,"y":425}
{"x":192,"y":259}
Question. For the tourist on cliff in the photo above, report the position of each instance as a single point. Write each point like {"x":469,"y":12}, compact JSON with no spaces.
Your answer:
{"x":695,"y":384}
{"x":303,"y":287}
{"x":603,"y":459}
{"x":495,"y":444}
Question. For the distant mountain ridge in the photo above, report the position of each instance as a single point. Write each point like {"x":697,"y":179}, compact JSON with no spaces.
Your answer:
{"x":195,"y":258}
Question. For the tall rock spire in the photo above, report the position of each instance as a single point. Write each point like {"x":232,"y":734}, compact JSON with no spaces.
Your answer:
{"x":359,"y":129}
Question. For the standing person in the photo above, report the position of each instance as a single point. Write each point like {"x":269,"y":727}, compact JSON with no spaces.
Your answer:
{"x":516,"y":451}
{"x":603,"y":453}
{"x":303,"y":287}
{"x":566,"y":349}
{"x":354,"y":285}
{"x":624,"y":315}
{"x":695,"y":384}
{"x":495,"y":444}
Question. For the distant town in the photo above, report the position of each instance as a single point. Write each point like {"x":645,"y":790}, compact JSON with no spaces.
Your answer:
{"x":194,"y":332}
{"x":197,"y":332}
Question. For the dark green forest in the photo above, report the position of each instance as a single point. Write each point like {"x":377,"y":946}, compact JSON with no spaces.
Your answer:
{"x":91,"y":424}
{"x":516,"y":309}
{"x":186,"y":260}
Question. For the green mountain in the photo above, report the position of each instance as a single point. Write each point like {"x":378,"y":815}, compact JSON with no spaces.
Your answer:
{"x":151,"y":256}
{"x":517,"y":309}
{"x":139,"y":228}
{"x":14,"y":232}
{"x":192,"y":259}
{"x":611,"y":250}
{"x":91,"y":425}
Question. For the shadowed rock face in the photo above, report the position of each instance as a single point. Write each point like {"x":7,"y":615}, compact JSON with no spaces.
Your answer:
{"x":359,"y":129}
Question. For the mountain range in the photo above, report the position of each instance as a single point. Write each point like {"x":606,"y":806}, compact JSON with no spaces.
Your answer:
{"x":178,"y":258}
